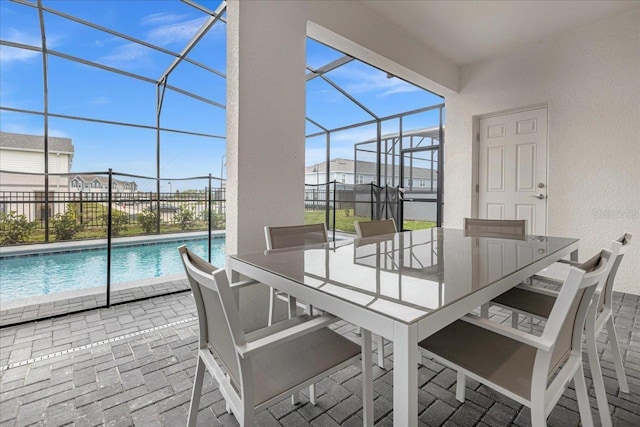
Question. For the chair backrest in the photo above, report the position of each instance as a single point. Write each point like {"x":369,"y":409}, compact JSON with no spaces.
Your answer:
{"x":375,"y":228}
{"x":502,"y":228}
{"x":566,"y":321}
{"x":607,"y":292}
{"x":295,"y":235}
{"x":219,"y":320}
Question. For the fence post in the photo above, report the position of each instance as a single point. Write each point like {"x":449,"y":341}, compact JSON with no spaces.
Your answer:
{"x":109,"y":219}
{"x":334,"y":209}
{"x":158,"y":208}
{"x":81,"y":210}
{"x":371,"y":199}
{"x":209,"y":212}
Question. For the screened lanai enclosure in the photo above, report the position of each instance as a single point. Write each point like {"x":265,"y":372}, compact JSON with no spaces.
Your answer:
{"x":112,"y":148}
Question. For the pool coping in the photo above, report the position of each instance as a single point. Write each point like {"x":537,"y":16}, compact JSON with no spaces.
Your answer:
{"x":37,"y":300}
{"x":77,"y":245}
{"x":67,"y":302}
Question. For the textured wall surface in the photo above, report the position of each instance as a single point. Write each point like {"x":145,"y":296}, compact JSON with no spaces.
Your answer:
{"x":590,"y":80}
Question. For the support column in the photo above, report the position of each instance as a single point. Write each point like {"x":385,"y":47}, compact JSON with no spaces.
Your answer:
{"x":265,"y":130}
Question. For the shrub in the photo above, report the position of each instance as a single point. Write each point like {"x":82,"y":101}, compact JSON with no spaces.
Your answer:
{"x":14,"y":228}
{"x":184,"y":216}
{"x":218,"y":220}
{"x":119,"y":221}
{"x":65,"y":225}
{"x":148,"y":220}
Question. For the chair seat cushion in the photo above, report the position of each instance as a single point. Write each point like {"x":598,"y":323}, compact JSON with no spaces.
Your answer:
{"x":501,"y":360}
{"x":291,"y":364}
{"x":531,"y":302}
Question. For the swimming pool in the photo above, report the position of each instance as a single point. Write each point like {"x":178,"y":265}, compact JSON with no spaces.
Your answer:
{"x":28,"y":276}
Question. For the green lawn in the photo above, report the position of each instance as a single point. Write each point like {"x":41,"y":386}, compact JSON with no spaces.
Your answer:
{"x":345,"y":219}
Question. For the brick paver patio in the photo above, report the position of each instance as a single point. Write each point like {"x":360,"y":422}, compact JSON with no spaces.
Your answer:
{"x":133,"y":364}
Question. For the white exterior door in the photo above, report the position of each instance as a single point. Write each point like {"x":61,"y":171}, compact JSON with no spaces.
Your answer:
{"x":512,"y":180}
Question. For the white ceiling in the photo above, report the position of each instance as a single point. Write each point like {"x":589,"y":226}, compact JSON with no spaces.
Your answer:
{"x":470,"y":31}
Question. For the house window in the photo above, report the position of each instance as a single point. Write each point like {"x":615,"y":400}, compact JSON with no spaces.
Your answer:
{"x":423,"y":182}
{"x":344,"y":178}
{"x":360,"y":179}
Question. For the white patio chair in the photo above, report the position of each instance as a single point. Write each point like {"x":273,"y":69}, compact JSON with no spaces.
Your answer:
{"x":531,"y":370}
{"x":288,"y":237}
{"x":256,"y":370}
{"x":538,"y":303}
{"x":498,"y":228}
{"x":369,"y":229}
{"x":375,"y":228}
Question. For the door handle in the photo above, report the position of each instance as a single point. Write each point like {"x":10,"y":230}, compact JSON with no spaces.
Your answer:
{"x":539,"y":196}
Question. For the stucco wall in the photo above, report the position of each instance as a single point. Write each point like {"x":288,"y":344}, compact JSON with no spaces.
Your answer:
{"x":590,"y":80}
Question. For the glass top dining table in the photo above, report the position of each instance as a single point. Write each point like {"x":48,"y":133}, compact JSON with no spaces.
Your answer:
{"x":404,"y":286}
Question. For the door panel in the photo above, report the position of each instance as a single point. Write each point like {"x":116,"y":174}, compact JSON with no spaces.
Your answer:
{"x":512,"y":181}
{"x":495,"y":168}
{"x":525,"y":167}
{"x":494,"y":211}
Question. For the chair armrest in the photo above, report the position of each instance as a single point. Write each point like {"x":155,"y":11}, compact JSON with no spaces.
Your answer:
{"x":282,"y":336}
{"x":243,"y":283}
{"x":514,"y":334}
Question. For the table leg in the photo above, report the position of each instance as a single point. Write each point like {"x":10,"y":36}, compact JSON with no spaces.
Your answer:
{"x":367,"y":379}
{"x":405,"y":375}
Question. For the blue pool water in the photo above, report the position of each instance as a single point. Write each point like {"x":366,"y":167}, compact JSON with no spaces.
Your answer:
{"x":22,"y":277}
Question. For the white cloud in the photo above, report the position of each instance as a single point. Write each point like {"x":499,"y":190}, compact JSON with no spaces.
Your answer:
{"x":125,"y":54}
{"x":162,"y":18}
{"x":10,"y":54}
{"x":176,"y":32}
{"x":359,"y":81}
{"x":18,"y":36}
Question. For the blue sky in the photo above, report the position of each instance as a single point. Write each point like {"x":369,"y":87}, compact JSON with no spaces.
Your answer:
{"x":80,"y":90}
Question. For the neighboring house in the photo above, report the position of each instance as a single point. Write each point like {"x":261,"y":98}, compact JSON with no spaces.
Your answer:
{"x":346,"y":171}
{"x":420,"y":170}
{"x":100,"y":184}
{"x":25,"y":153}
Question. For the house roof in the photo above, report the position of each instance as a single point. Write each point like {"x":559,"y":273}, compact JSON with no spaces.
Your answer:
{"x":101,"y":179}
{"x":24,"y":142}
